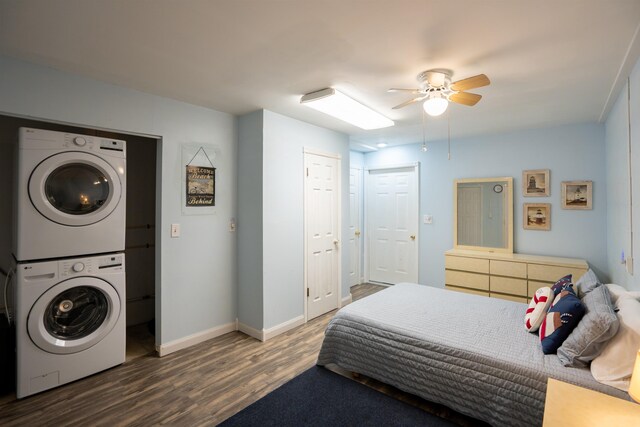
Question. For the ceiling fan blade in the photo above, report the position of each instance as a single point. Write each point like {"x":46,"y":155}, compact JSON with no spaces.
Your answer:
{"x":471,"y":83}
{"x":411,"y":101}
{"x":395,"y":89}
{"x":465,"y":98}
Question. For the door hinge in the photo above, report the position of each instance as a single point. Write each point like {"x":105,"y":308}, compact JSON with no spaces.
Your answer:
{"x":307,"y":291}
{"x":307,"y":171}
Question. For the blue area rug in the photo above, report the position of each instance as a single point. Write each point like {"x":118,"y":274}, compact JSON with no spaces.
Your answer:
{"x":319,"y":397}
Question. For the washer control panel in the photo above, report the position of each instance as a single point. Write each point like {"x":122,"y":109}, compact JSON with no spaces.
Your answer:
{"x":89,"y":266}
{"x":74,"y":267}
{"x":111,"y":262}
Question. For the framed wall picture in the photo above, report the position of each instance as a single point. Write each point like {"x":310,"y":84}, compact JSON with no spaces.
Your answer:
{"x":536,"y":216}
{"x":535,"y":183}
{"x":201,"y":186}
{"x":577,"y":195}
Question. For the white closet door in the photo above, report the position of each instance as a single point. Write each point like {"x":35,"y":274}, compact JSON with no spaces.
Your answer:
{"x":322,"y":225}
{"x":355,"y":187}
{"x":392,"y":212}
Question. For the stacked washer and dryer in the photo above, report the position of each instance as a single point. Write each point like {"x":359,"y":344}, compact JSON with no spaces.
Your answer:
{"x":69,"y":245}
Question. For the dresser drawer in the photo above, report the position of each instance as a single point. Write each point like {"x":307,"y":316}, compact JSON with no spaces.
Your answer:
{"x":508,"y":285}
{"x":549,"y":273}
{"x":466,"y":264}
{"x":533,"y":286}
{"x":509,"y":297}
{"x":508,"y":268}
{"x":467,"y":280}
{"x":467,"y":291}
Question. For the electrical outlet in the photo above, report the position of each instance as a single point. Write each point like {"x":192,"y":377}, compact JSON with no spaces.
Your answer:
{"x":427,"y":219}
{"x":175,"y":230}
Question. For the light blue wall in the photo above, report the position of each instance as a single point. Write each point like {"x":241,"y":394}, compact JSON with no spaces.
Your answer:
{"x":571,"y":153}
{"x":356,"y":159}
{"x":617,"y":160}
{"x":283,"y":214}
{"x":250,"y":227}
{"x":197,"y":272}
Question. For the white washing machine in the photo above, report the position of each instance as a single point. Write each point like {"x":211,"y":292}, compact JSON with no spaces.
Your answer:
{"x":70,"y":320}
{"x":70,"y":198}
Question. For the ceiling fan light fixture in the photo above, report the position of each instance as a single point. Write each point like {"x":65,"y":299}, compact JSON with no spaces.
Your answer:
{"x":340,"y":106}
{"x":435,"y":105}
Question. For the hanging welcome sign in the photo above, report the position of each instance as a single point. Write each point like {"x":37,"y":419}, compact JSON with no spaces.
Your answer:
{"x":201,"y":183}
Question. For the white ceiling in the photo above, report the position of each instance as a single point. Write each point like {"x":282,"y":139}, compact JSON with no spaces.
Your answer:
{"x":550,"y":62}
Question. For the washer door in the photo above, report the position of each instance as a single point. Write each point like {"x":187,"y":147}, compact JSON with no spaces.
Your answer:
{"x":74,"y":188}
{"x":73,"y":315}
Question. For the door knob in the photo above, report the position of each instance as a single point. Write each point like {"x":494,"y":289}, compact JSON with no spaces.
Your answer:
{"x":357,"y":233}
{"x":336,"y":242}
{"x":413,"y":237}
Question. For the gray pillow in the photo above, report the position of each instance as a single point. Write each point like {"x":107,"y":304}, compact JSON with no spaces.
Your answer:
{"x":596,"y":328}
{"x":588,"y":282}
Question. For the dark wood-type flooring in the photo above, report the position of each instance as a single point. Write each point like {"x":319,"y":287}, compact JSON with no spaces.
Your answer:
{"x":202,"y":385}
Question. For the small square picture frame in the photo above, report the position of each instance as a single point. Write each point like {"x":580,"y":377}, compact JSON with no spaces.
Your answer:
{"x":577,"y":195}
{"x":536,"y":216}
{"x":535,"y":183}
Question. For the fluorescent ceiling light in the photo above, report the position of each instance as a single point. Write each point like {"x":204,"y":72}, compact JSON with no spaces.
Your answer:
{"x":381,"y":145}
{"x":340,"y":106}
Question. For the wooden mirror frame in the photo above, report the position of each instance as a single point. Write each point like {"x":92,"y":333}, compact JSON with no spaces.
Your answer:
{"x":508,"y":183}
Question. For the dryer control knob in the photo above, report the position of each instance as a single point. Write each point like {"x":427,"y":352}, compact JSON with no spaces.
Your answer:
{"x":78,"y":267}
{"x":78,"y":140}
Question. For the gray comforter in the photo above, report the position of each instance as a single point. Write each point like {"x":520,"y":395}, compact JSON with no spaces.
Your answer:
{"x":467,"y":352}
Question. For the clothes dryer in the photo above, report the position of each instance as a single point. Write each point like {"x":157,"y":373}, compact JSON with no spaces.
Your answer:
{"x":70,"y":320}
{"x":70,"y":197}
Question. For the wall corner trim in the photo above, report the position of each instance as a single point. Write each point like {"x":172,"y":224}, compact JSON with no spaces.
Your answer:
{"x":197,"y":338}
{"x":266,"y":334}
{"x":252,"y":332}
{"x":283,"y":327}
{"x":346,"y":300}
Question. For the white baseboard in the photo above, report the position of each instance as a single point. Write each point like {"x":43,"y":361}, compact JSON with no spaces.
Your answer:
{"x":197,"y":338}
{"x":346,"y":300}
{"x":252,"y":332}
{"x":266,"y":334}
{"x":283,"y":327}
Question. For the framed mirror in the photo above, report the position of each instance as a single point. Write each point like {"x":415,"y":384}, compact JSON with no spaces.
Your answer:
{"x":483,"y":214}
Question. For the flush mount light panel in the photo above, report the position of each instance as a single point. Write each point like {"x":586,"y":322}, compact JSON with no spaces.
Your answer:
{"x":340,"y":106}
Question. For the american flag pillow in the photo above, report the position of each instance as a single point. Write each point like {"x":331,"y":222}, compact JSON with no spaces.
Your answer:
{"x":538,"y":307}
{"x":563,"y":316}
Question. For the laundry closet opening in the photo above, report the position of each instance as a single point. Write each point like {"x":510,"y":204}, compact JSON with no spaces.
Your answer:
{"x":142,"y":213}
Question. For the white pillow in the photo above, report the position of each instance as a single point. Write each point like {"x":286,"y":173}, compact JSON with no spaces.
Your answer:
{"x":615,"y":364}
{"x":617,"y":291}
{"x":538,"y":308}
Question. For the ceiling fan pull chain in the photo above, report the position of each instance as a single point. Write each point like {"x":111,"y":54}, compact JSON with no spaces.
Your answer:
{"x":424,"y":132}
{"x":449,"y":134}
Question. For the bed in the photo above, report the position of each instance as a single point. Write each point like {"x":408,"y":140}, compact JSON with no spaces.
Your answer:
{"x":468,"y":352}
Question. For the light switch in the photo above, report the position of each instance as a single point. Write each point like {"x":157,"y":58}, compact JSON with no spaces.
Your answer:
{"x":175,"y":230}
{"x":428,"y":219}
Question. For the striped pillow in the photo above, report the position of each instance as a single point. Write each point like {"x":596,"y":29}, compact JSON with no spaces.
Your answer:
{"x":538,"y":308}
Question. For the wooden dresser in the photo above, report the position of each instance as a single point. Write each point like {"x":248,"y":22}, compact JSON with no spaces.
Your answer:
{"x":514,"y":277}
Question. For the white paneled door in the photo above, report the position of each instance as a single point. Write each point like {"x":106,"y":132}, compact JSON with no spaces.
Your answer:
{"x":322,"y":236}
{"x":355,"y":189}
{"x":392,"y":224}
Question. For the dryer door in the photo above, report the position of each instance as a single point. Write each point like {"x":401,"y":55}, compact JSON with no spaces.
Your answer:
{"x":74,"y":315}
{"x":75,"y":188}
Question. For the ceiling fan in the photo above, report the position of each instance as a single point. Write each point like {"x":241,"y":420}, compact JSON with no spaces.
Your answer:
{"x":437,"y":89}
